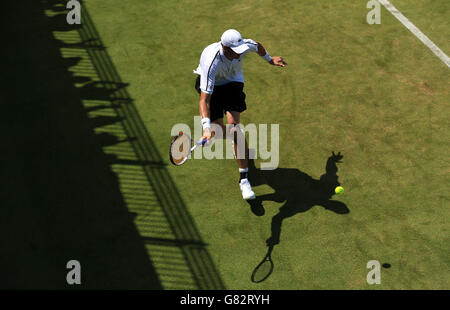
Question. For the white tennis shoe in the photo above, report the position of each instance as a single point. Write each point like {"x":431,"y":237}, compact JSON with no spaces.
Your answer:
{"x":246,"y":189}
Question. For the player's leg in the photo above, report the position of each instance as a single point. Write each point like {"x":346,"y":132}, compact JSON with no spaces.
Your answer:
{"x":239,"y":142}
{"x":241,"y":151}
{"x":234,"y":105}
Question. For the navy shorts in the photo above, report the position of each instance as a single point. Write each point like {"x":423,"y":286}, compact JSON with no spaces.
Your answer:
{"x":228,"y":97}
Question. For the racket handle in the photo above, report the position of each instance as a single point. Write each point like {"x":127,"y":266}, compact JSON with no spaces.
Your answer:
{"x":201,"y":142}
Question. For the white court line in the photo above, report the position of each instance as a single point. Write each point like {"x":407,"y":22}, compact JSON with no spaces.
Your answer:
{"x":436,"y":50}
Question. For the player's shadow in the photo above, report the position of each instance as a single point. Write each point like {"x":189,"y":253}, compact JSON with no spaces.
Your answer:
{"x":297,"y":190}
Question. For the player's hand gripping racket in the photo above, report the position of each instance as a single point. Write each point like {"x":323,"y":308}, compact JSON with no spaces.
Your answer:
{"x":180,"y":148}
{"x":264,"y":268}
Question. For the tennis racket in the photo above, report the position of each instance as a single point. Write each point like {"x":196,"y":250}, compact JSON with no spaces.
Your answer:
{"x":264,"y":268}
{"x":180,"y":148}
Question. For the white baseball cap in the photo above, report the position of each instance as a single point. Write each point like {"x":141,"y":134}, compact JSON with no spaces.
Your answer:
{"x":233,"y":39}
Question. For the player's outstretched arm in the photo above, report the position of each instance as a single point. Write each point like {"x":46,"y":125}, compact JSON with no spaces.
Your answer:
{"x":331,"y":166}
{"x":261,"y":50}
{"x":275,"y":61}
{"x":204,"y":114}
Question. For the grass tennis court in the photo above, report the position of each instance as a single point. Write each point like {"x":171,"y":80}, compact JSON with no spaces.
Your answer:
{"x":93,"y":180}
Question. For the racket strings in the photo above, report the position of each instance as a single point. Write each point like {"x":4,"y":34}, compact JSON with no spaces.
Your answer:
{"x":180,"y":149}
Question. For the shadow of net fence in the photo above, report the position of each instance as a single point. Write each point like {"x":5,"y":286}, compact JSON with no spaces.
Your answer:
{"x":170,"y":236}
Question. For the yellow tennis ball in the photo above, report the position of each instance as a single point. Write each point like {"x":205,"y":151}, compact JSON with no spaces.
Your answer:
{"x":339,"y":190}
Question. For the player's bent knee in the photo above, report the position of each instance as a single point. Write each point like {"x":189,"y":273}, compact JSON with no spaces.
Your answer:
{"x":218,"y":130}
{"x":234,"y":129}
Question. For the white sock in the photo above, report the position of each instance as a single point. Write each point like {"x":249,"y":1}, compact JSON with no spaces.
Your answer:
{"x":243,"y":170}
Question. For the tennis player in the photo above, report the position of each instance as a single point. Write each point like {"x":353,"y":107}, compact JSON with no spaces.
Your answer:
{"x":220,"y":83}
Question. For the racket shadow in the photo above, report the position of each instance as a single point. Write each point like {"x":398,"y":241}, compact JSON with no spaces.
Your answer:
{"x":264,"y":269}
